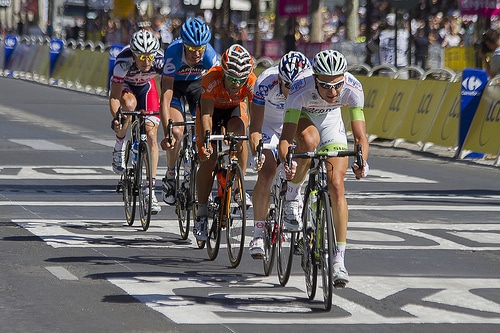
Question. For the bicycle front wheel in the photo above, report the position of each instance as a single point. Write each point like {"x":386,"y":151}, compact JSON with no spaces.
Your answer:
{"x":309,"y":265}
{"x":269,"y":244}
{"x":144,"y":184}
{"x":235,"y":228}
{"x":286,"y":243}
{"x":128,"y":187}
{"x":327,"y":234}
{"x":214,"y":226}
{"x":183,"y":193}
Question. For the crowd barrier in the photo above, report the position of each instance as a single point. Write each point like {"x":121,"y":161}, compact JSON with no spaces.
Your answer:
{"x":400,"y":105}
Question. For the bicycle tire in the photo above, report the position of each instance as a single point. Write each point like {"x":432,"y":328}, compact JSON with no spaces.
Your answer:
{"x":144,"y":173}
{"x":271,"y":231}
{"x":308,"y":263}
{"x":326,"y":232}
{"x":182,"y":194}
{"x":214,"y":226}
{"x":286,"y":241}
{"x":235,"y":228}
{"x":269,"y":245}
{"x":128,"y":183}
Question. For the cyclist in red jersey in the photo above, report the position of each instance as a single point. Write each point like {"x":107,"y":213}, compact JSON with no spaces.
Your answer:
{"x":226,"y":94}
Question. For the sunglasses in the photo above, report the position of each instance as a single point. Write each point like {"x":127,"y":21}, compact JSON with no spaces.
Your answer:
{"x":330,"y":86}
{"x":143,"y":57}
{"x":235,"y":80}
{"x":195,"y":48}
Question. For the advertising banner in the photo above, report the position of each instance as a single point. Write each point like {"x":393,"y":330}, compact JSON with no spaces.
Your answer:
{"x":473,"y":83}
{"x":293,"y":8}
{"x":10,"y":44}
{"x":485,"y":8}
{"x":56,"y":46}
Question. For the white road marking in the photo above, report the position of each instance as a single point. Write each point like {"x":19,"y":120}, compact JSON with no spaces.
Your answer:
{"x":362,"y":235}
{"x":218,"y":302}
{"x":38,"y":144}
{"x":61,"y":273}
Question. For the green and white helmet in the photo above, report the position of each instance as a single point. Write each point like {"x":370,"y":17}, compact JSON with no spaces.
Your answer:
{"x":329,"y":62}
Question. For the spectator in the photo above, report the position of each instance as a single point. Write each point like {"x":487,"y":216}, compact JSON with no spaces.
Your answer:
{"x":490,"y":52}
{"x":421,"y":43}
{"x":393,"y":52}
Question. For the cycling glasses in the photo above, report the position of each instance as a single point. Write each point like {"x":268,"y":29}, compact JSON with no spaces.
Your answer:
{"x":235,"y":80}
{"x":143,"y":57}
{"x":195,"y":48}
{"x":330,"y":86}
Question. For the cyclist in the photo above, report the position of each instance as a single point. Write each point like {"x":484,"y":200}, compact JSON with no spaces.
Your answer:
{"x":266,"y":120}
{"x":227,"y":91}
{"x":133,"y":87}
{"x":186,"y":60}
{"x":313,"y":120}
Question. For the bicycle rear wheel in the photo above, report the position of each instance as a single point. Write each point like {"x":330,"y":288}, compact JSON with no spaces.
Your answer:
{"x":269,"y":243}
{"x":235,"y":228}
{"x":128,"y":181}
{"x":214,"y":227}
{"x":309,"y":215}
{"x":183,"y":193}
{"x":144,"y":185}
{"x":326,"y":232}
{"x":286,"y":243}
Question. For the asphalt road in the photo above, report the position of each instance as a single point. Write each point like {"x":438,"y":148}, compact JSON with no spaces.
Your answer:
{"x":423,"y":244}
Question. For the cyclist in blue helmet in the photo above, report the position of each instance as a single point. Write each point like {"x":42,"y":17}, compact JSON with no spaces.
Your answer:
{"x":186,"y":60}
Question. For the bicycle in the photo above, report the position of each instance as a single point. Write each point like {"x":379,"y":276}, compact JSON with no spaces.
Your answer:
{"x":135,"y":182}
{"x":275,"y":233}
{"x":227,"y":203}
{"x":186,"y":168}
{"x":318,"y":242}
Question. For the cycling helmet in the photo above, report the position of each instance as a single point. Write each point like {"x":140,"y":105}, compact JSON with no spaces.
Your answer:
{"x":144,"y":41}
{"x":237,"y":62}
{"x":291,"y":64}
{"x":329,"y":62}
{"x":195,"y":32}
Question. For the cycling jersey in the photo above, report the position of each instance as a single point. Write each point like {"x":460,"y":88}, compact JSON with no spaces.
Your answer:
{"x":305,"y":101}
{"x":125,"y":70}
{"x":212,"y":87}
{"x":176,"y":66}
{"x":268,"y":94}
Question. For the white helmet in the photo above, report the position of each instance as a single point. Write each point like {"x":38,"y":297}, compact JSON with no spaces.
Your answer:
{"x":329,"y":62}
{"x":144,"y":41}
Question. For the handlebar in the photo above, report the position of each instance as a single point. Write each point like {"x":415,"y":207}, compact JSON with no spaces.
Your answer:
{"x":358,"y":154}
{"x":171,"y":124}
{"x":143,"y":113}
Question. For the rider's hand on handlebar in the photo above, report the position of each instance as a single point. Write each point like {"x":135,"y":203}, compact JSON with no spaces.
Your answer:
{"x":290,"y":171}
{"x":256,"y":164}
{"x":205,"y":153}
{"x":360,"y":173}
{"x":167,"y":144}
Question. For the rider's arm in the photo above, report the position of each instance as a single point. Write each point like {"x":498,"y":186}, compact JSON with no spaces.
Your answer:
{"x":255,"y":127}
{"x":358,"y":127}
{"x":167,"y":91}
{"x":115,"y":95}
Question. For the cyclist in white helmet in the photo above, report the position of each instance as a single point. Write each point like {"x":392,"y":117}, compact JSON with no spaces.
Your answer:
{"x":313,"y":121}
{"x":266,"y":121}
{"x":133,"y":87}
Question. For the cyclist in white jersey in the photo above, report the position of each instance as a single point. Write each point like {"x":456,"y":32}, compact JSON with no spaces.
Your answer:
{"x":266,"y":121}
{"x":312,"y":121}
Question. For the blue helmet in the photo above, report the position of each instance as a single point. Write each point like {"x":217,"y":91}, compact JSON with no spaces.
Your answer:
{"x":195,"y":32}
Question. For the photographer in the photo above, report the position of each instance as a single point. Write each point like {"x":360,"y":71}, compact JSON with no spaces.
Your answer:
{"x":490,"y":52}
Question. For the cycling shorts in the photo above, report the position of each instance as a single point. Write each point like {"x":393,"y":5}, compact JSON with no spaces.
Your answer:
{"x":191,"y":90}
{"x":331,"y":130}
{"x":147,"y":98}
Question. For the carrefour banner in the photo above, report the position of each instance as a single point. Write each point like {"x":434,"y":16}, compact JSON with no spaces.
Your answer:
{"x":56,"y":46}
{"x":293,"y":8}
{"x":485,"y":8}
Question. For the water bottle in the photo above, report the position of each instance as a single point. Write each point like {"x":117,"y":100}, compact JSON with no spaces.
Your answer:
{"x":135,"y":149}
{"x":221,"y":181}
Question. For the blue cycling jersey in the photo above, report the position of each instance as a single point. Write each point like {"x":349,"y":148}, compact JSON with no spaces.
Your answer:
{"x":176,"y":66}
